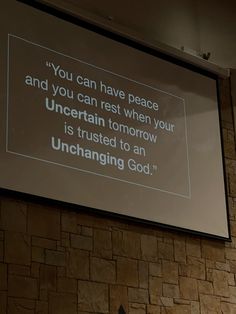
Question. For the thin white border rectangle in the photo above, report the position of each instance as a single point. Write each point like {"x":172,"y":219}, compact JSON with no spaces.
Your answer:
{"x":107,"y":71}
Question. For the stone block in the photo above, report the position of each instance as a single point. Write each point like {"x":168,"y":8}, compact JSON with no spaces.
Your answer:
{"x":17,"y":248}
{"x":180,"y":251}
{"x":230,"y":254}
{"x":177,"y":309}
{"x":118,"y":297}
{"x":166,"y":251}
{"x":67,"y":285}
{"x":14,"y":215}
{"x":48,"y":277}
{"x":38,"y":254}
{"x":87,"y":231}
{"x":137,"y":295}
{"x":126,"y":243}
{"x":103,"y":270}
{"x":195,"y":307}
{"x":77,"y":265}
{"x":143,"y":274}
{"x":193,"y":247}
{"x":55,"y":258}
{"x":102,"y":243}
{"x":205,"y":287}
{"x":1,"y":251}
{"x":81,"y":242}
{"x":153,"y":309}
{"x":170,"y":290}
{"x":228,"y":308}
{"x":18,"y":270}
{"x":93,"y":297}
{"x":127,"y":271}
{"x":3,"y":302}
{"x":20,"y":306}
{"x":196,"y":268}
{"x":69,"y":222}
{"x":167,"y":302}
{"x":3,"y":276}
{"x":44,"y":222}
{"x":210,"y":305}
{"x":188,"y":288}
{"x":61,"y":303}
{"x":155,"y":289}
{"x":148,"y":247}
{"x":213,"y":250}
{"x":41,"y":307}
{"x":22,"y":287}
{"x":155,"y":269}
{"x":220,"y":283}
{"x":44,"y":243}
{"x":136,"y":308}
{"x":35,"y":269}
{"x":170,"y":272}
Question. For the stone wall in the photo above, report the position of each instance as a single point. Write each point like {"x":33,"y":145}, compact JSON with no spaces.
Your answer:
{"x":59,"y":260}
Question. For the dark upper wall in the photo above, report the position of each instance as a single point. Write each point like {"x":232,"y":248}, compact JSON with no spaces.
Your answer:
{"x":199,"y":26}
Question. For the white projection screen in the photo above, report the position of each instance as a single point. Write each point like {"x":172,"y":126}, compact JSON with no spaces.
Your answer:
{"x":93,"y":120}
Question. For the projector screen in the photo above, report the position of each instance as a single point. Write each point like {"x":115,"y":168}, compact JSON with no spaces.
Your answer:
{"x":97,"y":122}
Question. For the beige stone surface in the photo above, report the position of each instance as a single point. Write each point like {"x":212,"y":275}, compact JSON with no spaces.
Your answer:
{"x":22,"y":287}
{"x":118,"y":297}
{"x":61,"y":303}
{"x":55,"y":258}
{"x":38,"y":254}
{"x":3,"y":302}
{"x":170,"y":272}
{"x":81,"y":242}
{"x":155,"y":269}
{"x":148,"y":247}
{"x":153,"y":309}
{"x":102,"y":243}
{"x":17,"y":248}
{"x":220,"y":283}
{"x":127,"y":271}
{"x":170,"y":290}
{"x":126,"y":243}
{"x":103,"y":270}
{"x":69,"y":221}
{"x":193,"y":247}
{"x":44,"y":221}
{"x":188,"y":288}
{"x":41,"y":307}
{"x":180,"y":251}
{"x":1,"y":251}
{"x":205,"y":287}
{"x":135,"y":308}
{"x":3,"y":276}
{"x":137,"y":295}
{"x":20,"y":306}
{"x":210,"y":304}
{"x":143,"y":274}
{"x":48,"y":277}
{"x":13,"y":215}
{"x":155,"y":289}
{"x":93,"y":297}
{"x":67,"y":285}
{"x":44,"y":243}
{"x":18,"y":270}
{"x":196,"y":268}
{"x":177,"y":309}
{"x":165,"y":251}
{"x":77,"y":265}
{"x":213,"y":250}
